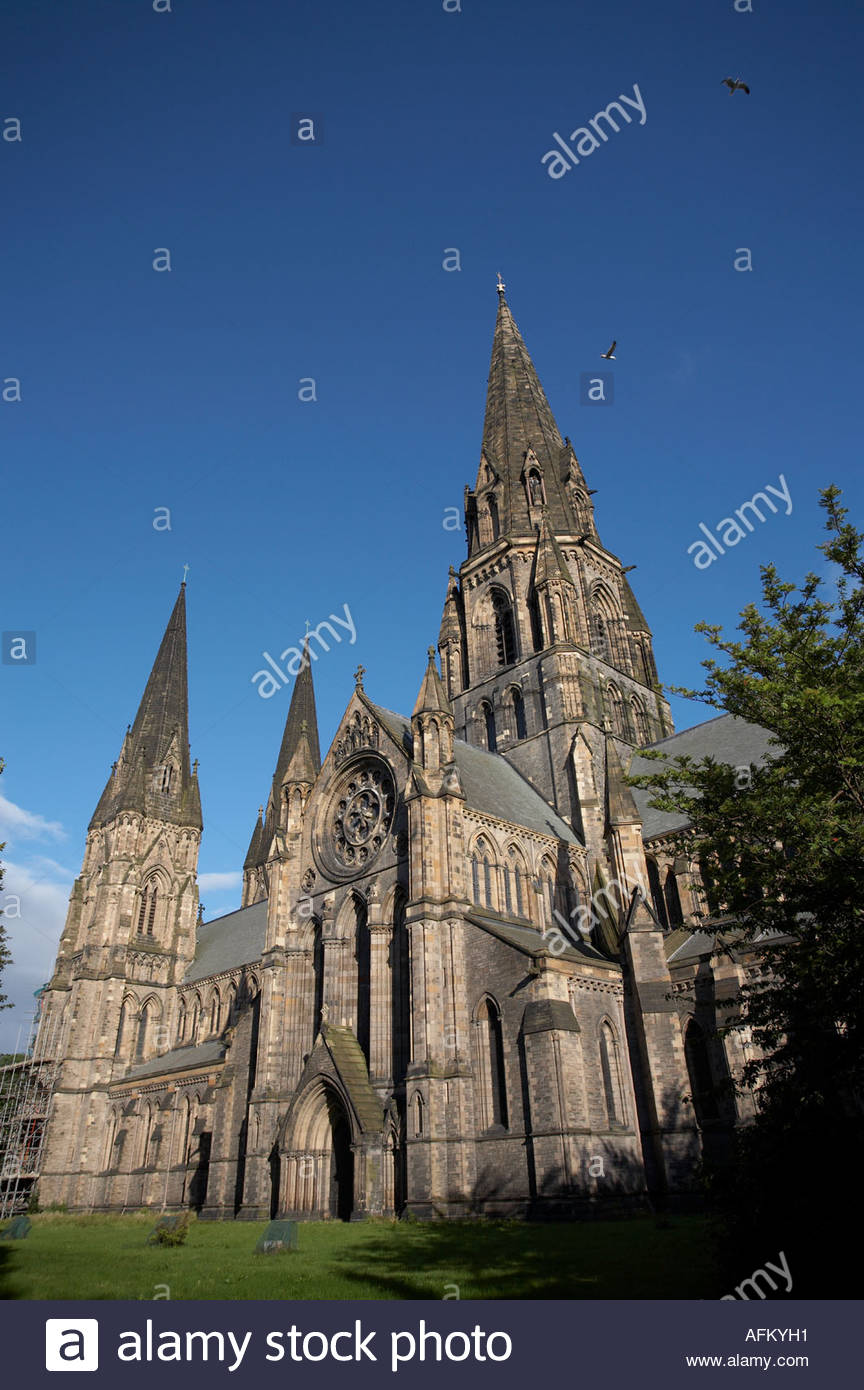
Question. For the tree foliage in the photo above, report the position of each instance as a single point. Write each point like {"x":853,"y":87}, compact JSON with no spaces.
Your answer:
{"x":781,"y":849}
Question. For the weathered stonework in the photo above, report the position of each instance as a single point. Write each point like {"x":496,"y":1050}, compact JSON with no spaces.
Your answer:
{"x":404,"y":1015}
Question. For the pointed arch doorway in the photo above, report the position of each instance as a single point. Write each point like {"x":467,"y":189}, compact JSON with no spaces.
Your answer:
{"x":320,"y":1177}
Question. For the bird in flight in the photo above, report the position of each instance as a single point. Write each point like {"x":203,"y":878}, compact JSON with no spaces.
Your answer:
{"x":735,"y":85}
{"x":610,"y":355}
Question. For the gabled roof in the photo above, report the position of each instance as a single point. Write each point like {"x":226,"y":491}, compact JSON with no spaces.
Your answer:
{"x":726,"y":739}
{"x":195,"y":1058}
{"x":228,"y":942}
{"x":490,"y":783}
{"x":351,"y":1065}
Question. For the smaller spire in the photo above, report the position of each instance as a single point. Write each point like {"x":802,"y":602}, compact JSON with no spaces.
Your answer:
{"x":433,"y":696}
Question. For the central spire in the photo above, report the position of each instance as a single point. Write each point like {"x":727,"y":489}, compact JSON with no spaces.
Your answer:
{"x":525,"y":464}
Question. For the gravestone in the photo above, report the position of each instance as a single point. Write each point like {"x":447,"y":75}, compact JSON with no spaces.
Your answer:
{"x":279,"y":1236}
{"x":19,"y":1228}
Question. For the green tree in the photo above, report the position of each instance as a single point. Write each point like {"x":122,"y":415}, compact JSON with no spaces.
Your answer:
{"x":781,"y":848}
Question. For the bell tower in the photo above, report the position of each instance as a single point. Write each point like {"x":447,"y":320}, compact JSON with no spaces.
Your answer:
{"x":130,"y":929}
{"x":544,"y":649}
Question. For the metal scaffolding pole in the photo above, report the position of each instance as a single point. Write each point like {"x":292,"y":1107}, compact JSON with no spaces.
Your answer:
{"x":26,"y":1091}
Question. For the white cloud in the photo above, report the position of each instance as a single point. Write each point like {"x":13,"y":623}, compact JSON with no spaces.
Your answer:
{"x":33,"y":915}
{"x":217,"y":882}
{"x":27,"y":825}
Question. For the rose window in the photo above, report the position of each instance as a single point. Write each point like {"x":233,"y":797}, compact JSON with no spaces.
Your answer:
{"x":362,"y":815}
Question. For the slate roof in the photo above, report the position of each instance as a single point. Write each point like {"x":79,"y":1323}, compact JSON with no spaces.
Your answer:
{"x":229,"y":941}
{"x":180,"y":1059}
{"x":490,"y":783}
{"x":351,"y":1065}
{"x":530,"y":941}
{"x":726,"y":739}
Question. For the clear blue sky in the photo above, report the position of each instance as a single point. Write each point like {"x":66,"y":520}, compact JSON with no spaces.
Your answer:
{"x":144,"y":390}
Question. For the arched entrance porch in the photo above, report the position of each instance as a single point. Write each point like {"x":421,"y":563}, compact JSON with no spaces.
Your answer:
{"x":319,"y":1157}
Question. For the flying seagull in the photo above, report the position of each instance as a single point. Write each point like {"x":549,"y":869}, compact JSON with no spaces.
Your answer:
{"x":735,"y":85}
{"x":610,"y":355}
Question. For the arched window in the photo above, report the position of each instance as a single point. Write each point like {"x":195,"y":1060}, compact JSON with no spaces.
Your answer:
{"x":231,"y":1003}
{"x":548,"y":890}
{"x":505,"y":628}
{"x":600,"y":635}
{"x":699,"y":1072}
{"x":489,"y":723}
{"x":519,"y":713}
{"x":610,"y":1068}
{"x":490,"y":1057}
{"x":481,"y":874}
{"x":181,"y":1021}
{"x":673,"y":900}
{"x":145,"y":1020}
{"x":493,"y":518}
{"x":616,"y":712}
{"x":127,"y":1009}
{"x":418,"y":1116}
{"x":536,"y":492}
{"x":215,"y":1011}
{"x":400,"y":978}
{"x":363,"y":957}
{"x":515,"y":890}
{"x":641,"y":721}
{"x":196,"y":1019}
{"x":167,"y":778}
{"x":657,"y":897}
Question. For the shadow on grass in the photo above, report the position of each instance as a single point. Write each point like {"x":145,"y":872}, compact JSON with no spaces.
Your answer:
{"x":635,"y":1258}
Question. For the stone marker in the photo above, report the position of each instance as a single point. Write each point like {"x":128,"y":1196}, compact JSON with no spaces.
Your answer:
{"x":18,"y":1230}
{"x":280,"y":1235}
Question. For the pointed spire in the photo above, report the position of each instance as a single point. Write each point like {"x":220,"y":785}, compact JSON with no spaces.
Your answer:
{"x":253,"y":855}
{"x":153,"y":774}
{"x":301,"y":712}
{"x":636,"y":620}
{"x":303,"y":766}
{"x":519,"y":435}
{"x":433,"y":697}
{"x":621,"y":808}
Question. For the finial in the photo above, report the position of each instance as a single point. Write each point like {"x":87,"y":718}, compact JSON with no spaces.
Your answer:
{"x":304,"y":726}
{"x":195,"y":768}
{"x":308,"y":627}
{"x":430,"y":652}
{"x":452,"y":572}
{"x":186,"y":569}
{"x":260,"y":812}
{"x":358,"y":676}
{"x":501,"y":287}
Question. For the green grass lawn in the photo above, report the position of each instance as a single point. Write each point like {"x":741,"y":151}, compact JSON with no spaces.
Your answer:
{"x":108,"y":1257}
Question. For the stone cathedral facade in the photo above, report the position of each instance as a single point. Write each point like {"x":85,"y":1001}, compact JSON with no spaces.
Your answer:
{"x":462,"y":978}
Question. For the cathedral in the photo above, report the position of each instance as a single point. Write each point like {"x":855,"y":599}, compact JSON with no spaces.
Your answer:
{"x":470,"y":974}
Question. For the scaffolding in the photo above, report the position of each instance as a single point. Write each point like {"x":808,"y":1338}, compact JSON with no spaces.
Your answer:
{"x":26,"y":1089}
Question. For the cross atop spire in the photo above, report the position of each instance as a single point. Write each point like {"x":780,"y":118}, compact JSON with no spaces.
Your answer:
{"x":501,"y":287}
